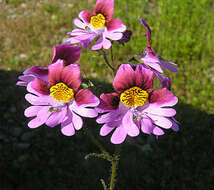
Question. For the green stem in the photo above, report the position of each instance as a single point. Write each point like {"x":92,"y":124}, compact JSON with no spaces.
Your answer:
{"x":107,"y":61}
{"x":114,"y":164}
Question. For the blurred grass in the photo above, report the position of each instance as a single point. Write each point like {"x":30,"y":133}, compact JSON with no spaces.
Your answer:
{"x":182,"y":31}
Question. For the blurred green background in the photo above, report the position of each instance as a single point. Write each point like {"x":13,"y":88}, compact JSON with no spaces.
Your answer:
{"x":182,"y":32}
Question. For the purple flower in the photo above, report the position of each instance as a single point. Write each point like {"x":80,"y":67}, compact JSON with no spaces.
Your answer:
{"x":151,"y":60}
{"x":135,"y":106}
{"x":97,"y":23}
{"x":126,"y":37}
{"x":69,"y":55}
{"x":59,"y":100}
{"x":32,"y":73}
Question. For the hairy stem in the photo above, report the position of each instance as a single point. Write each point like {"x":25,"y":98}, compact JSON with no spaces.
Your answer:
{"x":114,"y":165}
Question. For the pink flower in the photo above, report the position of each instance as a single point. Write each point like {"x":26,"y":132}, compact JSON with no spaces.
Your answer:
{"x":69,"y":55}
{"x":135,"y":106}
{"x":97,"y":23}
{"x":59,"y":100}
{"x":151,"y":60}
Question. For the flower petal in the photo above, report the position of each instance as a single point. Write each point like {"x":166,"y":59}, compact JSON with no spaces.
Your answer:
{"x":106,"y":129}
{"x":69,"y":54}
{"x":108,"y":102}
{"x":157,"y":131}
{"x":144,"y":77}
{"x":124,"y":79}
{"x":105,"y":7}
{"x":77,"y":122}
{"x":67,"y":127}
{"x":40,"y":86}
{"x":55,"y":70}
{"x":85,"y":97}
{"x":32,"y":111}
{"x":119,"y":135}
{"x":146,"y":125}
{"x":129,"y":125}
{"x":38,"y":100}
{"x":86,"y":16}
{"x":41,"y":118}
{"x":71,"y":76}
{"x":163,"y":97}
{"x":56,"y":118}
{"x":79,"y":23}
{"x":161,"y":121}
{"x":115,"y":24}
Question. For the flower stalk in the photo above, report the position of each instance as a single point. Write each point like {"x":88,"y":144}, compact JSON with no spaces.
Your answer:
{"x":114,"y":166}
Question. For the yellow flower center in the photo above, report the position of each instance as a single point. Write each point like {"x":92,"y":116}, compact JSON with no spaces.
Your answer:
{"x":98,"y":21}
{"x":134,"y":96}
{"x":61,"y":92}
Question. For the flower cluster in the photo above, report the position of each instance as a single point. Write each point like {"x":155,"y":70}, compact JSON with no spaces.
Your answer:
{"x":58,"y":98}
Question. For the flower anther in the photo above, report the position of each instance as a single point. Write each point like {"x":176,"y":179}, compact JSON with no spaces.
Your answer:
{"x":61,"y":92}
{"x":98,"y":21}
{"x":134,"y":96}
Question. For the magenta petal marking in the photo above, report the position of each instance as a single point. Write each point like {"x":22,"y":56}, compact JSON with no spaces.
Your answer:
{"x":40,"y":86}
{"x":109,"y":101}
{"x":164,"y":97}
{"x":129,"y":125}
{"x":77,"y":122}
{"x":56,"y":118}
{"x":41,"y":118}
{"x":124,"y":79}
{"x":119,"y":135}
{"x":55,"y":70}
{"x":69,"y":54}
{"x":106,"y":129}
{"x":32,"y":111}
{"x":105,"y":7}
{"x":86,"y":16}
{"x":71,"y":76}
{"x":114,"y":24}
{"x":85,"y":97}
{"x":144,"y":77}
{"x":157,"y":131}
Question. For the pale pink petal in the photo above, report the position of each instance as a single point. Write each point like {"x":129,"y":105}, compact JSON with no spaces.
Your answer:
{"x":161,"y":121}
{"x":146,"y":125}
{"x":106,"y":129}
{"x":128,"y":124}
{"x":113,"y":36}
{"x":38,"y":101}
{"x":119,"y":135}
{"x":41,"y":118}
{"x":79,"y":23}
{"x":67,"y":127}
{"x":157,"y":131}
{"x":106,"y":43}
{"x":56,"y":118}
{"x":77,"y":122}
{"x":32,"y":111}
